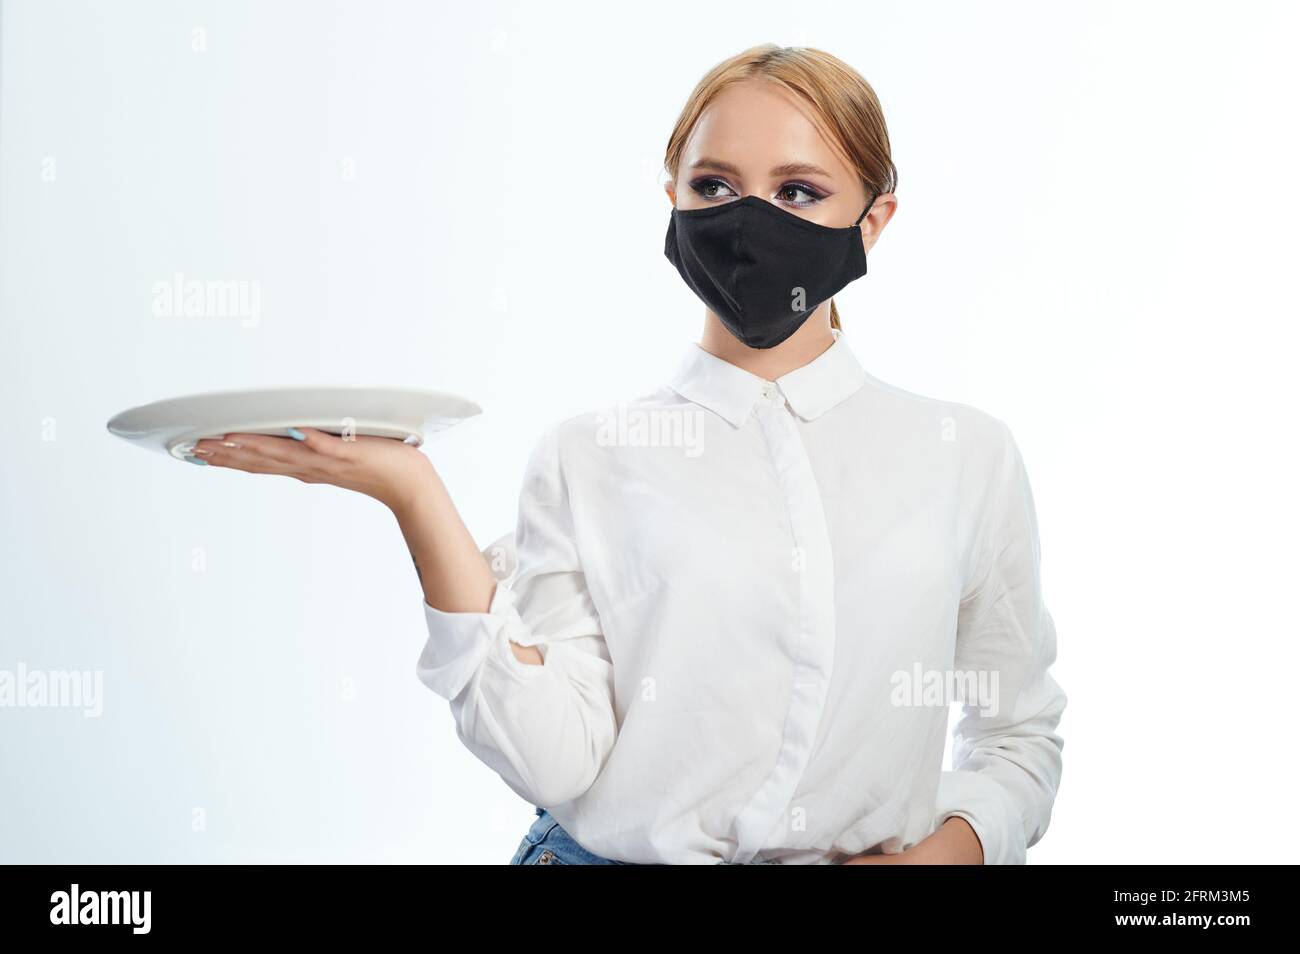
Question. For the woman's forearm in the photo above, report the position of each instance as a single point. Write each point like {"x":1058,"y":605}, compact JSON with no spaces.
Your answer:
{"x":453,"y":573}
{"x":953,"y":843}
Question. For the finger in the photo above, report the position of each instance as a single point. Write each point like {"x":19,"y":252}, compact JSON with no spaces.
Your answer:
{"x":255,"y":456}
{"x":322,"y":442}
{"x":239,"y":459}
{"x":284,"y":450}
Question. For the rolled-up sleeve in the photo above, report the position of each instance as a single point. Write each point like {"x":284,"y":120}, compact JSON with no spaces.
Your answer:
{"x":545,"y":729}
{"x":1006,"y":749}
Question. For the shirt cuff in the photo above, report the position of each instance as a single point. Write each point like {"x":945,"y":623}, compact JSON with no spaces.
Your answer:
{"x":460,"y":643}
{"x":983,"y":803}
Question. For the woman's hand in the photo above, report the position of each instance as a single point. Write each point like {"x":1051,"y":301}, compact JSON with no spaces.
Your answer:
{"x":380,"y":467}
{"x":953,"y":843}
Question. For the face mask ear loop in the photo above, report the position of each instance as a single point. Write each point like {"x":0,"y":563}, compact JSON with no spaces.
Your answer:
{"x":874,"y":196}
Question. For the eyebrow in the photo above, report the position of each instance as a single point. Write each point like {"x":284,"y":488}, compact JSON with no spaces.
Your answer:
{"x":789,"y":169}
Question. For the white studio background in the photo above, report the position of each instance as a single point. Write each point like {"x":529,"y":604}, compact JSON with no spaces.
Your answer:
{"x":1096,"y":242}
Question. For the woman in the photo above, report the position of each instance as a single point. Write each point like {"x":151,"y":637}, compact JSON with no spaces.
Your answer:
{"x":742,"y":604}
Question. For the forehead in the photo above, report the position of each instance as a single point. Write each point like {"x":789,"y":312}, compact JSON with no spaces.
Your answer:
{"x":757,"y":123}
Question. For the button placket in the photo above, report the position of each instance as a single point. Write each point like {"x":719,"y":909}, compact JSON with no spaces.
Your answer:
{"x":812,"y":643}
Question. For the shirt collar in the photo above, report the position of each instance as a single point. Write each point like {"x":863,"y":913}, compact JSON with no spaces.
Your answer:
{"x":731,"y":391}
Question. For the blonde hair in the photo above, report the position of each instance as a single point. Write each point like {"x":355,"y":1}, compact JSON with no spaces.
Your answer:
{"x":844,"y":107}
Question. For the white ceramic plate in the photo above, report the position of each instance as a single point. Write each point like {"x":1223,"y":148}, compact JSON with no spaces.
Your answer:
{"x":174,"y":426}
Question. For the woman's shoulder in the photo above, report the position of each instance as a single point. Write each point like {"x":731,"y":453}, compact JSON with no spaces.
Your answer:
{"x":911,"y":410}
{"x":646,"y":419}
{"x":597,"y":424}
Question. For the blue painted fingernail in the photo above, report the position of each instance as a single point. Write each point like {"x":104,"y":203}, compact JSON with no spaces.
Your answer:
{"x":197,"y":460}
{"x":296,"y":434}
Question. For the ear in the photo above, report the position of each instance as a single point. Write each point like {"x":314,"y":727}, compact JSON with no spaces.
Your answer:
{"x":671,"y":188}
{"x":875,"y":221}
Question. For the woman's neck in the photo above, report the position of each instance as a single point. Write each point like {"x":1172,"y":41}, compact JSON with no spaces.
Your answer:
{"x":811,"y":340}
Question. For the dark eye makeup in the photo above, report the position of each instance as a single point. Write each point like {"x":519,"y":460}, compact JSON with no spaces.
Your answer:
{"x":814,"y":195}
{"x":801,"y":195}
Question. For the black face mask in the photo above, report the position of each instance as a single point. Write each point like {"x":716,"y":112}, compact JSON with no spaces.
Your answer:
{"x":760,"y":269}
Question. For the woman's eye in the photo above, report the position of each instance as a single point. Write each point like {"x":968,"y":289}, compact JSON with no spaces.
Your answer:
{"x":712,"y":188}
{"x":799,"y":194}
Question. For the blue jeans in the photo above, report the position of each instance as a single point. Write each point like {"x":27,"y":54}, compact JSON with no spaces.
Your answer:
{"x":546,"y":843}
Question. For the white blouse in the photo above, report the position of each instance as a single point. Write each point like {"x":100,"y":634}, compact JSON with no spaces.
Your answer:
{"x":755,"y":601}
